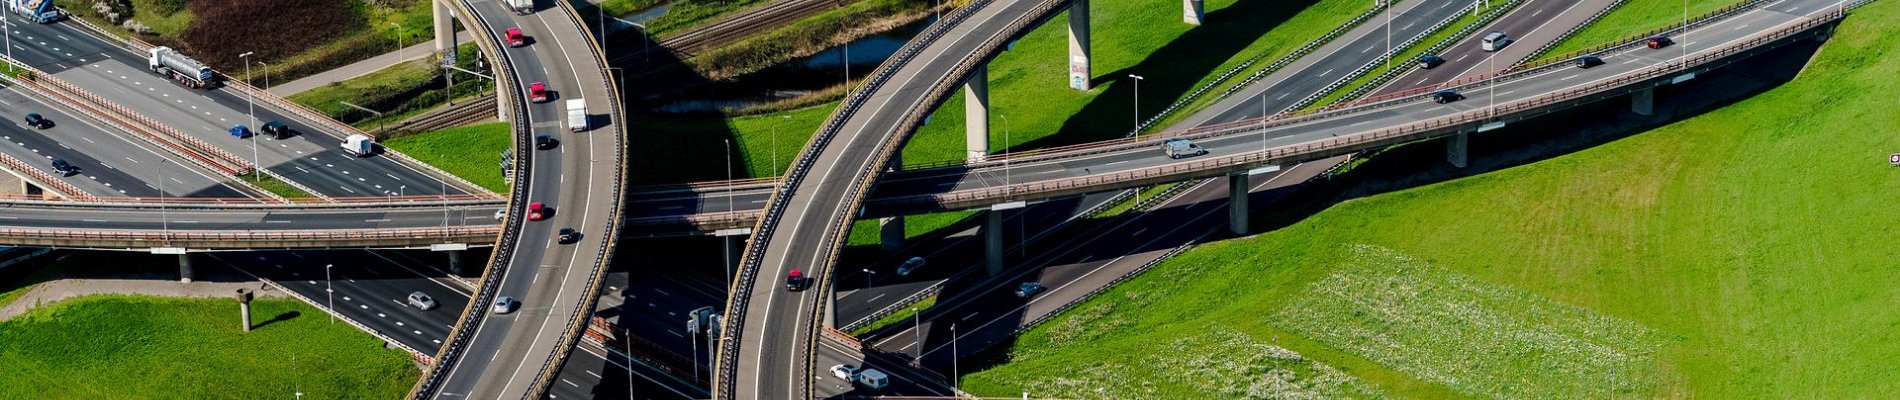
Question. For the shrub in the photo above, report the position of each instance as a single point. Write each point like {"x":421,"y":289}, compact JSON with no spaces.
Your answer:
{"x":271,"y":28}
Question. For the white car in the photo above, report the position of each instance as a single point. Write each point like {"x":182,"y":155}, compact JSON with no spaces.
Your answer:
{"x":499,"y":213}
{"x":505,"y":304}
{"x":844,"y":372}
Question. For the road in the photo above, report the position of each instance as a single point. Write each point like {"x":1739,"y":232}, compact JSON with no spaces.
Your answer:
{"x":185,"y":218}
{"x":1532,"y":24}
{"x":312,"y":158}
{"x":110,"y":165}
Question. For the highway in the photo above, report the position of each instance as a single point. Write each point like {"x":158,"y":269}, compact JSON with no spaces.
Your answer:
{"x":313,"y":157}
{"x":242,"y":218}
{"x":1532,"y":25}
{"x":515,"y":355}
{"x":110,"y":164}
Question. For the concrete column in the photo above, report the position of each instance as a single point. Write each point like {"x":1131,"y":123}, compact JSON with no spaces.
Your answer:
{"x":1192,"y":12}
{"x":502,"y":106}
{"x":184,"y":268}
{"x":1644,"y":102}
{"x":976,"y":114}
{"x":735,"y":249}
{"x":244,"y":307}
{"x":831,"y":306}
{"x":455,"y":262}
{"x":1079,"y":45}
{"x":993,"y":242}
{"x":1456,"y":148}
{"x":1237,"y":189}
{"x":444,"y":30}
{"x":891,"y":233}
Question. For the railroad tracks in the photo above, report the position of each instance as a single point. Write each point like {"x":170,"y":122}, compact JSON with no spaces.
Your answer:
{"x":733,"y":27}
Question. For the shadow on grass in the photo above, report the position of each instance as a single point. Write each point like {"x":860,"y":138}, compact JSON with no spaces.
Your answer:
{"x":286,"y":316}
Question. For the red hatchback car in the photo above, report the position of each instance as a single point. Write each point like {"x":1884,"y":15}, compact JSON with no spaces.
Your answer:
{"x":537,"y":211}
{"x":515,"y":39}
{"x":538,"y":92}
{"x":795,"y":280}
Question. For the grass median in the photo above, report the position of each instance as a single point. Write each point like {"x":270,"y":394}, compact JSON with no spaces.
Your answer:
{"x":141,"y":347}
{"x":1635,"y":17}
{"x":476,"y":151}
{"x":1733,"y":254}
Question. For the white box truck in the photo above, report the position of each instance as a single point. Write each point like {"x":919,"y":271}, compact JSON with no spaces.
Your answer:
{"x":359,"y":145}
{"x":521,"y":7}
{"x":577,"y":115}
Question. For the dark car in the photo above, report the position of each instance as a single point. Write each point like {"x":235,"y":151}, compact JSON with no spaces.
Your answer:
{"x":569,"y":236}
{"x":1446,"y":96}
{"x":276,"y":130}
{"x":64,"y":168}
{"x":545,"y":142}
{"x":1588,"y":61}
{"x":1657,"y":42}
{"x":1430,"y":61}
{"x":795,"y":280}
{"x":37,"y":121}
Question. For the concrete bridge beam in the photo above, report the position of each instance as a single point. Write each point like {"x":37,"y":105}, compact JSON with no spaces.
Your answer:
{"x":1237,"y":209}
{"x":1192,"y":12}
{"x":1457,"y":149}
{"x":993,"y":242}
{"x":184,"y":268}
{"x":1079,"y":74}
{"x":976,"y":114}
{"x":1644,"y":102}
{"x":444,"y":30}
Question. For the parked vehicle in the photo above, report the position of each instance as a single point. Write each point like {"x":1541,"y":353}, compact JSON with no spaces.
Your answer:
{"x":421,"y":301}
{"x":1181,"y":147}
{"x":505,"y":304}
{"x":38,"y":122}
{"x":910,"y":265}
{"x":521,"y":7}
{"x":276,"y":130}
{"x":1028,"y":289}
{"x":874,"y":379}
{"x":1586,"y":62}
{"x":38,"y":11}
{"x":569,"y":236}
{"x":1446,"y":96}
{"x":1496,"y":41}
{"x":538,"y":211}
{"x":63,"y":168}
{"x":545,"y":142}
{"x":1429,"y":61}
{"x":516,"y":39}
{"x":241,"y":132}
{"x":171,"y":64}
{"x":1657,"y":42}
{"x":359,"y":145}
{"x":538,"y":92}
{"x":577,"y":115}
{"x":795,"y":280}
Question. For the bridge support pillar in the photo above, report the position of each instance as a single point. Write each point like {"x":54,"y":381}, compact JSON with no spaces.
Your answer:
{"x":184,"y":268}
{"x":1457,"y":149}
{"x":735,"y":249}
{"x":244,"y":307}
{"x":1192,"y":11}
{"x":1644,"y":102}
{"x":455,"y":262}
{"x":444,"y":30}
{"x":1079,"y":74}
{"x":1237,"y":189}
{"x":993,"y":242}
{"x":890,"y":233}
{"x":831,"y":305}
{"x":976,"y":114}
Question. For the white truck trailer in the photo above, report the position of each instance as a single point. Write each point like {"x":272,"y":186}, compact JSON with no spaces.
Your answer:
{"x":521,"y":7}
{"x":577,"y":115}
{"x":172,"y":64}
{"x":38,"y":11}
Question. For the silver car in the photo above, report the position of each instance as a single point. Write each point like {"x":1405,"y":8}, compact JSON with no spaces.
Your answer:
{"x":421,"y":301}
{"x":505,"y":304}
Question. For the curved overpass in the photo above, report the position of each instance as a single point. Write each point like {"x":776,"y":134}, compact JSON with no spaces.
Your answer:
{"x":514,"y":355}
{"x":802,"y":225}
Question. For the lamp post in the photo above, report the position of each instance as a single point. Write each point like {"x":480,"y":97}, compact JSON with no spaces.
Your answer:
{"x":257,"y":169}
{"x":266,"y":73}
{"x":956,"y":379}
{"x":331,"y":290}
{"x":1388,"y":34}
{"x":1138,"y":79}
{"x":775,"y":171}
{"x":398,"y":40}
{"x":646,"y":43}
{"x":867,"y":280}
{"x":917,"y":335}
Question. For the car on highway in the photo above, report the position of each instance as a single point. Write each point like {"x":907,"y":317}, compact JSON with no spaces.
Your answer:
{"x":910,"y":265}
{"x":38,"y":122}
{"x":276,"y":130}
{"x":1028,"y":289}
{"x":1586,"y":62}
{"x":515,"y":38}
{"x":1446,"y":96}
{"x":545,"y":142}
{"x":844,"y":372}
{"x":64,"y":168}
{"x":795,"y":280}
{"x":501,"y":213}
{"x":538,"y":92}
{"x":241,"y":132}
{"x":421,"y":301}
{"x":1657,"y":42}
{"x":538,"y":211}
{"x":1181,"y":147}
{"x":1429,"y":61}
{"x":1495,"y":41}
{"x":505,"y":304}
{"x":569,"y":236}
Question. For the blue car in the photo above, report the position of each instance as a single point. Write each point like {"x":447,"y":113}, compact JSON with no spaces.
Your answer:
{"x":241,"y":132}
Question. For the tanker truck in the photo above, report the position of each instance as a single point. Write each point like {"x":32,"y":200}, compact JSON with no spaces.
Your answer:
{"x":38,"y":11}
{"x":171,"y":64}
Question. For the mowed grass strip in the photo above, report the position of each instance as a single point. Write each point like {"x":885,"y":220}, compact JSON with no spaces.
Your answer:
{"x":472,"y":152}
{"x":120,"y":347}
{"x":1754,"y":240}
{"x":1635,"y":17}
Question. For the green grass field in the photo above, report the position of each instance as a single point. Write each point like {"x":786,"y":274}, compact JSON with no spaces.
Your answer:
{"x":1745,"y":252}
{"x":1635,"y":17}
{"x":117,"y":347}
{"x":277,"y":187}
{"x":476,"y":150}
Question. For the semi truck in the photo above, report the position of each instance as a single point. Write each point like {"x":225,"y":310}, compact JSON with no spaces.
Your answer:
{"x":577,"y":115}
{"x":521,"y":7}
{"x":38,"y":11}
{"x":171,"y":64}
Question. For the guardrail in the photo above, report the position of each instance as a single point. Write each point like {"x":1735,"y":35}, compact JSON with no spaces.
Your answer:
{"x":290,"y":204}
{"x":45,"y":179}
{"x":158,"y":238}
{"x":1459,"y":36}
{"x":1388,"y":54}
{"x":182,"y":144}
{"x":1587,"y":22}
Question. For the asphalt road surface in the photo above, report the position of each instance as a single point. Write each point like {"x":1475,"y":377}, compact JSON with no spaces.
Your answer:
{"x":110,"y":165}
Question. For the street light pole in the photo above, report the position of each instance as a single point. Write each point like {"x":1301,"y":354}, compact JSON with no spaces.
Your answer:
{"x":398,"y":41}
{"x":917,"y":335}
{"x":867,"y":280}
{"x":956,"y":379}
{"x":331,"y":290}
{"x":257,"y":169}
{"x":1138,"y":79}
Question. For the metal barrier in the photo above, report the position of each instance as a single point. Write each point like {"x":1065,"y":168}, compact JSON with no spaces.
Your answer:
{"x":1587,"y":22}
{"x":44,"y":179}
{"x":1459,"y":36}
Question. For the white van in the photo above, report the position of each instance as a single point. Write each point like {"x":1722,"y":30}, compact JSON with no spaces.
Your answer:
{"x":874,"y":379}
{"x":1496,"y":40}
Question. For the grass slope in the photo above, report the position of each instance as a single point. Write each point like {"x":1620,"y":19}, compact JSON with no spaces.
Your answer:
{"x":477,"y":150}
{"x":117,"y":347}
{"x":1742,"y":253}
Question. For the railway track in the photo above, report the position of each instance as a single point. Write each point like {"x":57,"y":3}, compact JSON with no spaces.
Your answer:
{"x":732,"y":28}
{"x":460,"y":114}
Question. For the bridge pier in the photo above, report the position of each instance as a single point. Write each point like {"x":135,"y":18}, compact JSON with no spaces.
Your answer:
{"x":890,"y":233}
{"x":1238,"y":186}
{"x":184,"y":268}
{"x":735,"y":249}
{"x":993,"y":242}
{"x":444,"y":31}
{"x":455,"y":262}
{"x":976,"y":114}
{"x":1644,"y":102}
{"x":1457,"y":148}
{"x":1192,"y":11}
{"x":1079,"y":45}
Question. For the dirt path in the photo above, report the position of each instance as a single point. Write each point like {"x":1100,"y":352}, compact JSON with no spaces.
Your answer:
{"x":63,"y":289}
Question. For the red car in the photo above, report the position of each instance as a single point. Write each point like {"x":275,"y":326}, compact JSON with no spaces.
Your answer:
{"x":795,"y":280}
{"x":515,"y":39}
{"x":1657,"y":42}
{"x":537,"y":211}
{"x":537,"y":92}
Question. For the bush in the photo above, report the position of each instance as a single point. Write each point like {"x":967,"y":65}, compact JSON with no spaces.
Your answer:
{"x":272,"y":28}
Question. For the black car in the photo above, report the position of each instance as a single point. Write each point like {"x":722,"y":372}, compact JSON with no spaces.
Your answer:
{"x":63,"y":168}
{"x":1430,"y":61}
{"x":37,"y":121}
{"x":276,"y":130}
{"x":545,"y":142}
{"x":569,"y":236}
{"x":1588,"y":61}
{"x":1446,"y":96}
{"x":1657,"y":42}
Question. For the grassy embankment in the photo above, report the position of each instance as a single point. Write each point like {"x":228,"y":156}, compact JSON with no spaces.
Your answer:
{"x":1635,"y":17}
{"x":476,"y":151}
{"x":1740,"y":253}
{"x":399,"y":92}
{"x":141,"y":347}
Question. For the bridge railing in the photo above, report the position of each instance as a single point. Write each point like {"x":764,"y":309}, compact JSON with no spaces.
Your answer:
{"x":157,"y":239}
{"x":44,"y":178}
